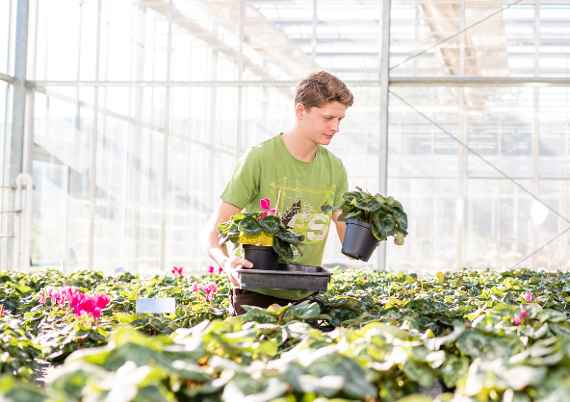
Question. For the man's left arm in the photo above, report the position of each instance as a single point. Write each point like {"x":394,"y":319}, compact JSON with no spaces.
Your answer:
{"x":340,"y":226}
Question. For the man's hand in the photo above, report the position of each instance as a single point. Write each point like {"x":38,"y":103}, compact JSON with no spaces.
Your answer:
{"x":218,"y":252}
{"x":231,"y":264}
{"x":340,"y":225}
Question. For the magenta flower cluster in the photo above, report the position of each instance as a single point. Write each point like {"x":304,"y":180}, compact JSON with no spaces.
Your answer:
{"x":523,"y":313}
{"x":178,"y":272}
{"x":208,"y":290}
{"x":266,"y":210}
{"x":78,"y":301}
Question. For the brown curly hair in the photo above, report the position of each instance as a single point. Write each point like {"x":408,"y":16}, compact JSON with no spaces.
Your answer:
{"x":321,"y":88}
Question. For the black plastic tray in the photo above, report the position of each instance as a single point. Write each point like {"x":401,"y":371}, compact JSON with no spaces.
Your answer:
{"x":289,"y":276}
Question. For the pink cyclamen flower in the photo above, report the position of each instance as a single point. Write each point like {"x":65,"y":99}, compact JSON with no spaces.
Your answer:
{"x":90,"y":305}
{"x":220,"y":269}
{"x":101,"y":301}
{"x":96,"y":313}
{"x":210,"y":287}
{"x":211,"y":269}
{"x":265,"y":203}
{"x":523,"y":314}
{"x":57,"y":297}
{"x":76,"y":303}
{"x":79,"y":302}
{"x":528,"y":296}
{"x":262,"y":215}
{"x":52,"y":294}
{"x":177,"y":271}
{"x":210,"y":290}
{"x":195,"y":287}
{"x":43,"y":297}
{"x":69,"y":293}
{"x":517,"y":320}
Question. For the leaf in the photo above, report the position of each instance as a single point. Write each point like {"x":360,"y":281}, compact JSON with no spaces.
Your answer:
{"x":246,"y":389}
{"x":250,"y":227}
{"x":257,"y":314}
{"x":69,"y":380}
{"x":399,"y":239}
{"x":436,"y":343}
{"x":377,"y":229}
{"x":327,"y":385}
{"x":520,"y":377}
{"x":188,"y":371}
{"x":419,"y":373}
{"x":477,"y":344}
{"x":289,"y":237}
{"x":124,"y":318}
{"x":283,"y":249}
{"x":291,"y":212}
{"x":328,"y":362}
{"x":270,"y":224}
{"x":416,"y":398}
{"x":14,"y":391}
{"x":303,"y":311}
{"x":369,"y":205}
{"x":454,"y":369}
{"x":440,"y":276}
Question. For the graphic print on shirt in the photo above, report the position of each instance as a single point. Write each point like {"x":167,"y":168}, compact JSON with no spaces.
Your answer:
{"x":314,"y":218}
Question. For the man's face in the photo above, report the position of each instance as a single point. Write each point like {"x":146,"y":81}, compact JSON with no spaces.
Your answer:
{"x":320,"y":124}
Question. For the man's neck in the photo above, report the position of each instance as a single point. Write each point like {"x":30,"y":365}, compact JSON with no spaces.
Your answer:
{"x":299,"y":146}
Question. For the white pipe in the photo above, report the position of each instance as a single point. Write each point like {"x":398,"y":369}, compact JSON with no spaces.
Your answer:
{"x":23,"y":229}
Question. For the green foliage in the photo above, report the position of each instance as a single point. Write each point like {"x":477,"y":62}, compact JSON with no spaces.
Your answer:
{"x":285,"y":241}
{"x":399,"y":338}
{"x":385,"y":215}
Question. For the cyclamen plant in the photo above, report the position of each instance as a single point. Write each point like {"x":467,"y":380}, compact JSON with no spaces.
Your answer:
{"x":528,"y":296}
{"x":385,"y":215}
{"x":79,"y":302}
{"x":523,"y":314}
{"x":212,"y":270}
{"x":264,"y":224}
{"x":208,"y":290}
{"x":178,"y":272}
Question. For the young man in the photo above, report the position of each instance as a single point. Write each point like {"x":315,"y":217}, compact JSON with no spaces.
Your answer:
{"x":287,"y":168}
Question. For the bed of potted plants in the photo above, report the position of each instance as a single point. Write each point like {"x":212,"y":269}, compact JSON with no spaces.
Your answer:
{"x":467,"y":336}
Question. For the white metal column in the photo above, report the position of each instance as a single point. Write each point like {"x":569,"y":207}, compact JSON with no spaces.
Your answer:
{"x":165,"y":149}
{"x":241,"y":22}
{"x":19,"y":180}
{"x":94,"y":141}
{"x":384,"y":76}
{"x":462,"y":159}
{"x":134,"y":145}
{"x":535,"y":140}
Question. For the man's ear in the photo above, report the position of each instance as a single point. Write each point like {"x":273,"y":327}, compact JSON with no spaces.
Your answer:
{"x":299,"y":110}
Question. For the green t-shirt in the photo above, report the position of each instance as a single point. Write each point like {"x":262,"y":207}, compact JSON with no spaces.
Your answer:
{"x":268,"y":170}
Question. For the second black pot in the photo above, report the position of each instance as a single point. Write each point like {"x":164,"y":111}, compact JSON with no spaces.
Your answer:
{"x":262,"y":257}
{"x":358,"y":240}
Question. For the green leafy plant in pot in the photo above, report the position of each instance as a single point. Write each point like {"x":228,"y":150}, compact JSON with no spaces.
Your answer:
{"x":265,"y":237}
{"x":369,"y":220}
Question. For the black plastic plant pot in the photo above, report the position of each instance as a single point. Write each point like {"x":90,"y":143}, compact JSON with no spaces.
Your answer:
{"x":262,"y":257}
{"x":358,"y":240}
